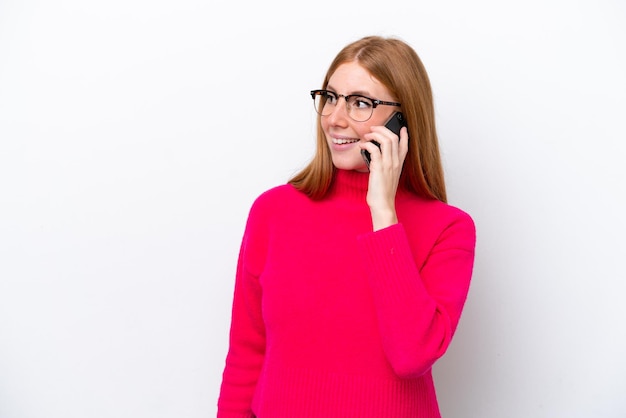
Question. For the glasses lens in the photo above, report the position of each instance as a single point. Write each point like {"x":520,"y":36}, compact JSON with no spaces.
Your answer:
{"x":320,"y":99}
{"x":360,"y":108}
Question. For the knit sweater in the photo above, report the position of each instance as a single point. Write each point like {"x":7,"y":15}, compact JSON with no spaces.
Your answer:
{"x":333,"y":320}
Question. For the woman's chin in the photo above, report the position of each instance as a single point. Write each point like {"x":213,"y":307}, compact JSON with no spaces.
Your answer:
{"x":350,"y":164}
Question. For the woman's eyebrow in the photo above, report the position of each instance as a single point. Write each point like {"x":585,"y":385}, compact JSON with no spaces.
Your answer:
{"x":353,"y":93}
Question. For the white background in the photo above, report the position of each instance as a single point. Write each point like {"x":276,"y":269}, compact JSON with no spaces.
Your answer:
{"x":135,"y":134}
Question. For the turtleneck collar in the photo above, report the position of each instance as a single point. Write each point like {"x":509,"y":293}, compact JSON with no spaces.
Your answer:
{"x":349,"y":184}
{"x":353,"y":185}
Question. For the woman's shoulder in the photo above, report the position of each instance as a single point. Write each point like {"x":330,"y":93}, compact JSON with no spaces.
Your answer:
{"x":428,"y":222}
{"x":275,"y":199}
{"x":277,"y":195}
{"x":433,"y":207}
{"x":451,"y":211}
{"x":434,"y":214}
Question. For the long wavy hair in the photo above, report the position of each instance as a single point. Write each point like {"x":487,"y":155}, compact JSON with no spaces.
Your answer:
{"x":397,"y":66}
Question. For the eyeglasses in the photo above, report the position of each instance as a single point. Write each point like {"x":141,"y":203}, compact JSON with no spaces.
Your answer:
{"x":359,"y":108}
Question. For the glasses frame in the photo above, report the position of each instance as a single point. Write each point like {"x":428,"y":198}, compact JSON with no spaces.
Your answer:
{"x":346,"y":98}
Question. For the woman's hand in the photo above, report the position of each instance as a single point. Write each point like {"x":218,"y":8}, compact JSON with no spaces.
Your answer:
{"x":385,"y":169}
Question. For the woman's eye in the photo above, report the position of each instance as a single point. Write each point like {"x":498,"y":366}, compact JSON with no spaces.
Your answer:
{"x":362,"y":103}
{"x":330,"y":98}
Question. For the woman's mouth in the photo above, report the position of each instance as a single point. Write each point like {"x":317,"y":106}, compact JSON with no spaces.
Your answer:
{"x":343,"y":141}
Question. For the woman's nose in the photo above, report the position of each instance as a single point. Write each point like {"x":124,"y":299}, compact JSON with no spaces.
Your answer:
{"x":340,"y":112}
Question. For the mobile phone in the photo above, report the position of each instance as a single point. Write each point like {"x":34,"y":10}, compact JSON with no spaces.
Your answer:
{"x":394,"y":124}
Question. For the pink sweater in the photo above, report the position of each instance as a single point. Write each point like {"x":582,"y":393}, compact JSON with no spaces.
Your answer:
{"x":333,"y":320}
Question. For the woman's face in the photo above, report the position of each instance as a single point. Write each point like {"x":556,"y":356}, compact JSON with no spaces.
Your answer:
{"x":342,"y":132}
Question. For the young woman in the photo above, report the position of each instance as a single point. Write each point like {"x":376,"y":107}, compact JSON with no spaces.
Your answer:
{"x":351,"y":280}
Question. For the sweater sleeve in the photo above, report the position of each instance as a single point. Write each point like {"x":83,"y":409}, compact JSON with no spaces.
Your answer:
{"x":247,"y":333}
{"x":419,"y":297}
